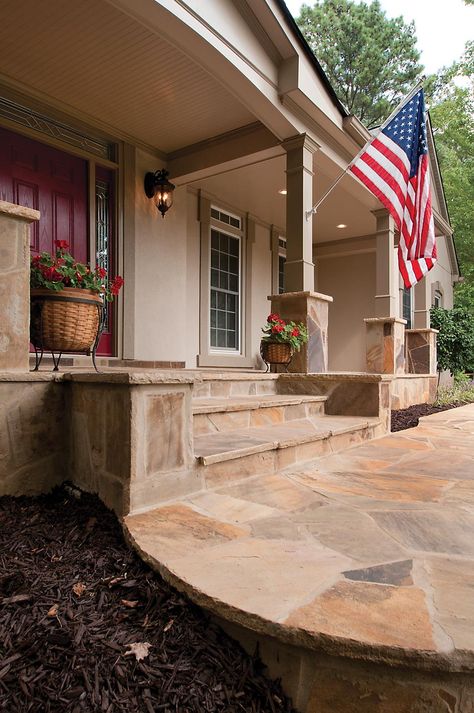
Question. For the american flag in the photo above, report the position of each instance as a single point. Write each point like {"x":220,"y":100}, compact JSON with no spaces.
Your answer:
{"x":394,"y":166}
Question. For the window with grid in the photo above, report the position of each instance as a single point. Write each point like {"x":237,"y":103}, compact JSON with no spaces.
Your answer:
{"x":281,"y":264}
{"x":281,"y":273}
{"x":438,"y":299}
{"x":225,"y":290}
{"x":407,"y":306}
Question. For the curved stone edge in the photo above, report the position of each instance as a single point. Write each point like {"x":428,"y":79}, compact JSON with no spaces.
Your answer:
{"x":456,"y":661}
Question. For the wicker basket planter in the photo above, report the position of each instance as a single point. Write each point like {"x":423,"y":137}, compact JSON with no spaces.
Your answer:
{"x":65,"y":321}
{"x":276,"y":352}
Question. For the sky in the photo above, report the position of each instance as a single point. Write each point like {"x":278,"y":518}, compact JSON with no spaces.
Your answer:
{"x":442,"y":26}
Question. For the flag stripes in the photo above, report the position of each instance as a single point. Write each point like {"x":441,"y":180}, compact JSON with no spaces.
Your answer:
{"x":394,"y":167}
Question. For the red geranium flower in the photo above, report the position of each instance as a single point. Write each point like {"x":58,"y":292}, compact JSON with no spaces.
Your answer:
{"x":116,"y":285}
{"x":277,"y":328}
{"x":295,"y":332}
{"x":61,"y":244}
{"x":102,"y":272}
{"x":273,"y":317}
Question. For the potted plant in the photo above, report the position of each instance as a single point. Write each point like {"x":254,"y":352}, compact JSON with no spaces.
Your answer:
{"x":282,"y":339}
{"x":67,"y":303}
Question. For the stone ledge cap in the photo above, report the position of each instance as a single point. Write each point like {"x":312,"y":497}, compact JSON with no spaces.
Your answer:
{"x":422,"y":330}
{"x":289,"y":295}
{"x":19,"y":211}
{"x":30,"y":376}
{"x":384,"y":320}
{"x":132,"y":378}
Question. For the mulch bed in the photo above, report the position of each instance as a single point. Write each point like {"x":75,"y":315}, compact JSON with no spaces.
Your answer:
{"x":85,"y":625}
{"x":409,"y":417}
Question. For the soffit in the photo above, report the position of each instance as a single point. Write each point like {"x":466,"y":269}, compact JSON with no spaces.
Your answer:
{"x":254,"y":189}
{"x":91,"y":58}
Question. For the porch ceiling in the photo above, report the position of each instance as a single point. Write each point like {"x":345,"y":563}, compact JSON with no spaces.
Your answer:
{"x":96,"y":63}
{"x":255,"y":189}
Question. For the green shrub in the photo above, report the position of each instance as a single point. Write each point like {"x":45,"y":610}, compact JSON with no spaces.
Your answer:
{"x":455,"y":338}
{"x":462,"y":391}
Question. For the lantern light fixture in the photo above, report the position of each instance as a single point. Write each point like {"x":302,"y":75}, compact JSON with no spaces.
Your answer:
{"x":158,"y":187}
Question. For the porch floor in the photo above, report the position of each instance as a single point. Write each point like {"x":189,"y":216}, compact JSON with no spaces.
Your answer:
{"x":365,"y":553}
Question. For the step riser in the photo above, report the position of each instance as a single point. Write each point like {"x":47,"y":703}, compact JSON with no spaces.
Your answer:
{"x":273,"y":461}
{"x":253,"y":418}
{"x":227,"y":388}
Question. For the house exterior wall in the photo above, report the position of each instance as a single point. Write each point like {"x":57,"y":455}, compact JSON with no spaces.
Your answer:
{"x":159,"y":278}
{"x":350,"y":280}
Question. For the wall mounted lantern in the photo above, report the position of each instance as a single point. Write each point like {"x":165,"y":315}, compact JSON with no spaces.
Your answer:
{"x":158,"y":187}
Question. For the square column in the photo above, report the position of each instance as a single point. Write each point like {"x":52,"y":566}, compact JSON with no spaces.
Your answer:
{"x":422,"y":297}
{"x":15,"y":286}
{"x":311,"y":308}
{"x":299,"y":267}
{"x":386,"y":274}
{"x":385,"y":345}
{"x":421,"y":350}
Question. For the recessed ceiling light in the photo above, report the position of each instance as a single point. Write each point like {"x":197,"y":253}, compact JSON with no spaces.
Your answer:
{"x":283,"y":191}
{"x":341,"y":225}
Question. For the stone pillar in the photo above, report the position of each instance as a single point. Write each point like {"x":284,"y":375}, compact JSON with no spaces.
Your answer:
{"x":421,"y":350}
{"x":385,"y":345}
{"x":299,"y":268}
{"x":311,"y":308}
{"x":422,"y":297}
{"x":386,"y":280}
{"x":15,"y":286}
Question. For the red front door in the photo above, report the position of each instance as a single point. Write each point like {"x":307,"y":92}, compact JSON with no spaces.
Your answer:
{"x":51,"y":181}
{"x":55,"y":183}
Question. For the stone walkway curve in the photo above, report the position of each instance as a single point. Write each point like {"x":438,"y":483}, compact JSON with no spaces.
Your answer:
{"x":366,"y":553}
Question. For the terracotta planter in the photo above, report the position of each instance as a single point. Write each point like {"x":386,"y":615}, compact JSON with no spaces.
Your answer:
{"x":276,"y":352}
{"x":65,"y":321}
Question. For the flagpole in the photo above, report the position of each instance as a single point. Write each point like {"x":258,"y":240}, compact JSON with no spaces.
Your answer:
{"x":402,"y":103}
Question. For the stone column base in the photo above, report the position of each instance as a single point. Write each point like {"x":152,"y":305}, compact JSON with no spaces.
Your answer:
{"x":385,"y":345}
{"x":311,"y":308}
{"x":420,"y":351}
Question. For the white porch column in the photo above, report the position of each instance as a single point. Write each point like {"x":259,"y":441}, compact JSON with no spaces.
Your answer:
{"x":385,"y":333}
{"x":386,"y":275}
{"x":299,"y":268}
{"x":299,"y":302}
{"x":422,"y":297}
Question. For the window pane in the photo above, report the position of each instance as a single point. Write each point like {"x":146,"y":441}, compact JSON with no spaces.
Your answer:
{"x":221,"y":338}
{"x":213,"y":337}
{"x":221,"y":320}
{"x":234,"y":283}
{"x":214,"y":240}
{"x":221,"y":300}
{"x":213,"y":318}
{"x":214,"y":278}
{"x":213,"y":298}
{"x":234,"y":246}
{"x":214,"y":258}
{"x":234,"y":265}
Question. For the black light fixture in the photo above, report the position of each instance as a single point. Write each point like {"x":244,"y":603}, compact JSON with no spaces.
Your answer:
{"x":158,"y":187}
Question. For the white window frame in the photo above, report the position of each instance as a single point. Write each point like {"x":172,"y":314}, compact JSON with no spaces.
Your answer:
{"x":223,"y":356}
{"x":217,"y":228}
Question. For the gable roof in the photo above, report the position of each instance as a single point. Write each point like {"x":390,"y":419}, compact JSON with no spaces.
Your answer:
{"x":290,"y":20}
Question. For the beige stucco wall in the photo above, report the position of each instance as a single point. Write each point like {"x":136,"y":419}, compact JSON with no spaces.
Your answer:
{"x":159,"y":281}
{"x":441,"y":272}
{"x":350,"y":280}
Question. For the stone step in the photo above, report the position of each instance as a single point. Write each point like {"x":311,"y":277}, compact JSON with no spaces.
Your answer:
{"x":214,"y":415}
{"x":232,"y":455}
{"x":233,"y":384}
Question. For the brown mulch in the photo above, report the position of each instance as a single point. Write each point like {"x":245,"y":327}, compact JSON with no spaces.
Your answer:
{"x":409,"y":417}
{"x":85,"y":625}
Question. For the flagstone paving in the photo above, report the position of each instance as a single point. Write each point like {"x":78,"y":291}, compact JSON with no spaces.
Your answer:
{"x":371,"y":549}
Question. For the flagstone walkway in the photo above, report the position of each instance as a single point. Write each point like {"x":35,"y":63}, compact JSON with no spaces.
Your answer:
{"x":369,"y":552}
